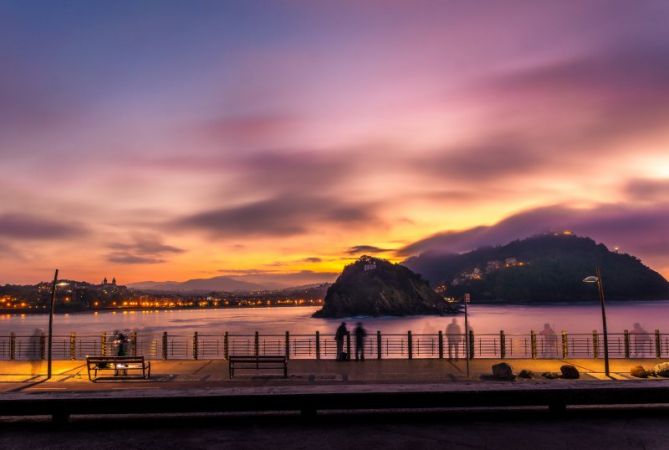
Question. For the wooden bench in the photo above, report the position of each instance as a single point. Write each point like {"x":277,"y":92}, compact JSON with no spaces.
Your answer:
{"x":257,"y":363}
{"x":123,"y":367}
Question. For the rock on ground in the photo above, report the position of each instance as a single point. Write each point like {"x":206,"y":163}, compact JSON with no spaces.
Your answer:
{"x":569,"y":372}
{"x":502,"y":371}
{"x":639,"y":372}
{"x":662,"y":369}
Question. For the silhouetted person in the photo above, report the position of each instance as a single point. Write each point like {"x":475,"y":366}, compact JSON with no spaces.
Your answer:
{"x":122,"y":350}
{"x":454,"y":336}
{"x":360,"y":335}
{"x":35,"y":351}
{"x":550,"y":341}
{"x":642,"y":340}
{"x":340,"y":335}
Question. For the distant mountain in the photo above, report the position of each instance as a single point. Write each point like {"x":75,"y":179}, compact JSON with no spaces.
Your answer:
{"x":376,"y":287}
{"x":221,"y":283}
{"x":542,"y":268}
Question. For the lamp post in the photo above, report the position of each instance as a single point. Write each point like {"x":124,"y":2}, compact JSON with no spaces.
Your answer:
{"x":597,"y":279}
{"x":51,"y":309}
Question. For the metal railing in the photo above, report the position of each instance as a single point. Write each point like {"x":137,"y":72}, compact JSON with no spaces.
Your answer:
{"x":323,"y":346}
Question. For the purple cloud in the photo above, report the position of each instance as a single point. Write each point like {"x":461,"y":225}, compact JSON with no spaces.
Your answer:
{"x":145,"y":249}
{"x":28,"y":226}
{"x":277,"y":216}
{"x":358,"y":249}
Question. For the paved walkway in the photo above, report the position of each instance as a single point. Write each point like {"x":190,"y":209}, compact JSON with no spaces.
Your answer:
{"x":18,"y":376}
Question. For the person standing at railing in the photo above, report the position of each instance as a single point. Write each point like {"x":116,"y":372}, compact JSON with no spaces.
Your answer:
{"x":360,"y":335}
{"x":340,"y":335}
{"x":549,"y":348}
{"x":642,"y":340}
{"x":454,"y":337}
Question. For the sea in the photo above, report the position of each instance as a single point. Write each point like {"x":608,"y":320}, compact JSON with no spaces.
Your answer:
{"x":483,"y":319}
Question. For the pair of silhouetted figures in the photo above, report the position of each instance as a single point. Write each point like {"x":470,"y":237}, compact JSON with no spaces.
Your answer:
{"x":640,"y":340}
{"x":360,"y":334}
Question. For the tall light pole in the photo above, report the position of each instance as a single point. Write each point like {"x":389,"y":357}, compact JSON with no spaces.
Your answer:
{"x":51,"y":309}
{"x":597,"y":279}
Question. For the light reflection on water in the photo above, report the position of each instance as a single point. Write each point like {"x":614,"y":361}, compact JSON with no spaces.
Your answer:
{"x":484,"y":319}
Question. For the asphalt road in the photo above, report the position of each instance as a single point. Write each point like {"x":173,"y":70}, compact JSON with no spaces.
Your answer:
{"x":627,"y":428}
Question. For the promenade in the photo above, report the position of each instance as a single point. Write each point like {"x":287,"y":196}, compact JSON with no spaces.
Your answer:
{"x":183,"y":374}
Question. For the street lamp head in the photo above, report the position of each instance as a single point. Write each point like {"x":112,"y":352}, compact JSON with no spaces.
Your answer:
{"x":62,"y":283}
{"x":591,"y":279}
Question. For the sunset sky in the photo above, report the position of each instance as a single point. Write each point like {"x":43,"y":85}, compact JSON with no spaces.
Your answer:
{"x":174,"y":140}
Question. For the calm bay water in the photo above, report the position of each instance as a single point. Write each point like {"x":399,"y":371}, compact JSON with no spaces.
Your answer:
{"x":484,"y":319}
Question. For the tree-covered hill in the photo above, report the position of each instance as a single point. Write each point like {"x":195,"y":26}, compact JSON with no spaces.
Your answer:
{"x":542,"y":268}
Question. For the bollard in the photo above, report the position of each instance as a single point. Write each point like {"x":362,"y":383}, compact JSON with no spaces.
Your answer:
{"x":502,"y":344}
{"x":348,"y":345}
{"x":195,"y":346}
{"x":658,"y":346}
{"x":318,"y":345}
{"x":133,"y":343}
{"x":595,"y":344}
{"x":12,"y":346}
{"x":42,"y":346}
{"x":471,"y":344}
{"x":410,"y":345}
{"x":103,"y":344}
{"x":565,"y":344}
{"x":73,"y":345}
{"x":226,"y":348}
{"x":379,"y":345}
{"x":287,"y":345}
{"x":256,"y":344}
{"x":626,"y":336}
{"x":533,"y":344}
{"x":165,"y":345}
{"x":441,"y":344}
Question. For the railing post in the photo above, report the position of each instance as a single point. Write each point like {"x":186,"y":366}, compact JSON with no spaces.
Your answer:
{"x":287,"y":345}
{"x":658,"y":344}
{"x":533,"y":344}
{"x":502,"y":344}
{"x":103,"y":344}
{"x":626,"y":335}
{"x":348,"y":344}
{"x":441,"y":344}
{"x":471,"y":344}
{"x":165,"y":352}
{"x":595,"y":344}
{"x":410,"y":345}
{"x":195,"y":345}
{"x":226,"y":345}
{"x":12,"y":346}
{"x":73,"y":345}
{"x":318,"y":345}
{"x":256,"y":344}
{"x":42,"y":346}
{"x":379,"y":345}
{"x":133,"y":343}
{"x":565,"y":344}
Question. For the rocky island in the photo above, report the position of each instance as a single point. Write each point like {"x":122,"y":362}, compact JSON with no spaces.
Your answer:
{"x":376,"y":287}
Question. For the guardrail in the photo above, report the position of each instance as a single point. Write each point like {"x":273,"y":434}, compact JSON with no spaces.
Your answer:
{"x":323,"y":346}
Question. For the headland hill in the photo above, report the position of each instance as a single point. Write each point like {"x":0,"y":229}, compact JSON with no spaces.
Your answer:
{"x":542,"y":269}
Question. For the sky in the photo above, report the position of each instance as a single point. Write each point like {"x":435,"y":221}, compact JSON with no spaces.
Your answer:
{"x":175,"y":140}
